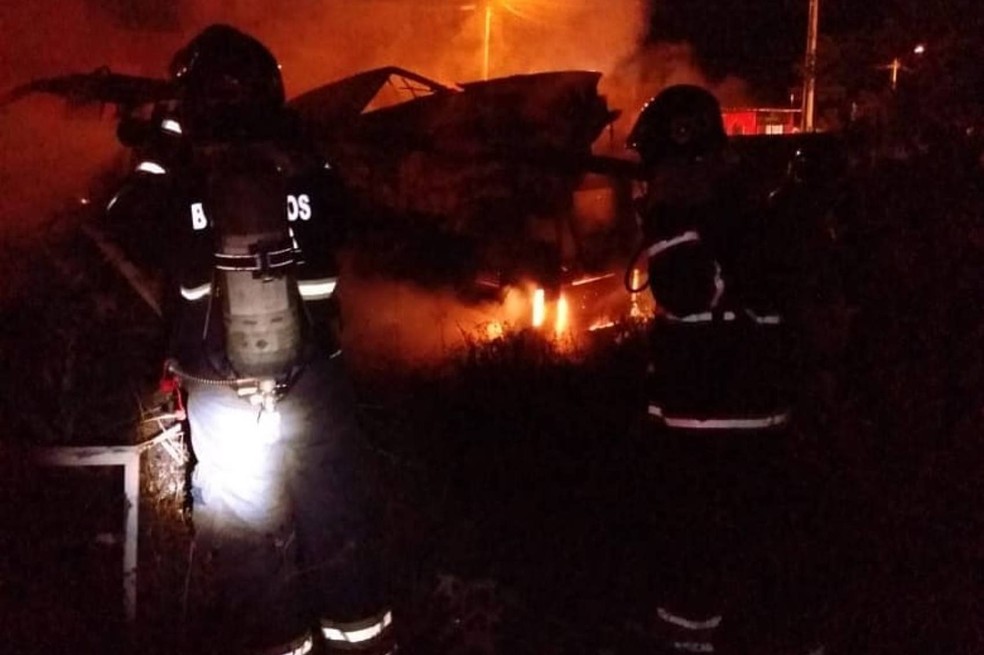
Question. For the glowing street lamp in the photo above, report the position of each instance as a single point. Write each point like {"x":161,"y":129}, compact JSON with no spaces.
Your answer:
{"x":487,"y":9}
{"x":896,"y":65}
{"x":524,"y":9}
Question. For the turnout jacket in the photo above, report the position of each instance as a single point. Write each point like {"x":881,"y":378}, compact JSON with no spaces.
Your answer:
{"x":168,"y":194}
{"x":720,"y":349}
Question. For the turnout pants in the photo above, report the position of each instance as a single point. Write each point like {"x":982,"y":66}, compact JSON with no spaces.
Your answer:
{"x":723,"y":553}
{"x":283,"y":523}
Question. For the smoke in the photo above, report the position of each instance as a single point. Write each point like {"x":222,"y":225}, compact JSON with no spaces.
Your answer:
{"x":317,"y":41}
{"x":653,"y":67}
{"x":393,"y":322}
{"x":50,"y":153}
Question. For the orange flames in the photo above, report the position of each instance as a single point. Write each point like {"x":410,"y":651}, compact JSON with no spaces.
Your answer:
{"x":561,"y":321}
{"x":540,"y":309}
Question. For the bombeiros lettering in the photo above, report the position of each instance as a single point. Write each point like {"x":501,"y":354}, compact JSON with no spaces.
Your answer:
{"x":298,"y":208}
{"x":198,"y":219}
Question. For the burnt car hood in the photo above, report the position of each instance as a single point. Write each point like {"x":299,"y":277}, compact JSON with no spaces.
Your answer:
{"x":552,"y":112}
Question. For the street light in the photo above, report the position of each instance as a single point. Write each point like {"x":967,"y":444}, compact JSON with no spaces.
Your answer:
{"x":486,"y":8}
{"x":896,"y":65}
{"x":527,"y":10}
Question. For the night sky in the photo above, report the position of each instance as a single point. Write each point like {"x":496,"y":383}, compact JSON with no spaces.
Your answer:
{"x":761,"y":42}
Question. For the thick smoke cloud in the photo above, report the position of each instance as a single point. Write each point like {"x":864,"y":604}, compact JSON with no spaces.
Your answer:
{"x":49,"y":151}
{"x":652,"y":67}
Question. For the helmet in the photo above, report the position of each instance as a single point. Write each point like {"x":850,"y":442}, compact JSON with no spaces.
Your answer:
{"x":227,"y":79}
{"x":681,"y":122}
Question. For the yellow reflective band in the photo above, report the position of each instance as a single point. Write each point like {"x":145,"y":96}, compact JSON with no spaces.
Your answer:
{"x":689,"y":624}
{"x":693,"y":646}
{"x":299,"y":646}
{"x":764,"y":319}
{"x":317,"y":289}
{"x":171,"y":125}
{"x":112,"y":201}
{"x":151,"y":167}
{"x":350,"y":634}
{"x":662,"y":246}
{"x":688,"y":423}
{"x":196,"y":293}
{"x":702,"y":317}
{"x":303,"y":649}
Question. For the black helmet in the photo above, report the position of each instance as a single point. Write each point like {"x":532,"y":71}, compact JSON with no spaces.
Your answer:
{"x":681,"y":122}
{"x":227,"y":79}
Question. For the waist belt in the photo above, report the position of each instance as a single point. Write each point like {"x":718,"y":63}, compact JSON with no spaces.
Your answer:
{"x":742,"y":423}
{"x":263,"y":260}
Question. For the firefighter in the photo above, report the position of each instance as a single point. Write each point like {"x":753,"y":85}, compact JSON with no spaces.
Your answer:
{"x":283,"y":519}
{"x":804,"y":253}
{"x":719,"y":392}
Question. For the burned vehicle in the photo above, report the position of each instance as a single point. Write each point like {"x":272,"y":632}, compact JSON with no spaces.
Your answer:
{"x":481,"y":186}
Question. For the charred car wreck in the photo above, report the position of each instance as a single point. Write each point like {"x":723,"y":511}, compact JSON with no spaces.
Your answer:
{"x":476,"y":187}
{"x":472,"y":185}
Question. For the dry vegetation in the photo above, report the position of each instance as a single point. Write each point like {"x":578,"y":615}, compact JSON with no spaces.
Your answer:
{"x":503,"y":470}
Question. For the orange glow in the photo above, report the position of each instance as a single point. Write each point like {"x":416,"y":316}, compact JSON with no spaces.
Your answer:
{"x":635,"y":311}
{"x":487,"y":42}
{"x":494,"y":330}
{"x":601,"y":324}
{"x":398,"y":321}
{"x":589,"y":280}
{"x":539,"y":307}
{"x":562,"y":320}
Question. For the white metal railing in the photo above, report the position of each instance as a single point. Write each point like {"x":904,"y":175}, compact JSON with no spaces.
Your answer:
{"x":129,"y":458}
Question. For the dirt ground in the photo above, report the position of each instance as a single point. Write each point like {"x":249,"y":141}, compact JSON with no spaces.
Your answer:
{"x":503,"y":470}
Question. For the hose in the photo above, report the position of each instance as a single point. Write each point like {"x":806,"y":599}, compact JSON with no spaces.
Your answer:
{"x":173,"y":367}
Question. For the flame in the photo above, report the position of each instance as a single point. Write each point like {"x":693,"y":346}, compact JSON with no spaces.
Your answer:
{"x":635,"y":311}
{"x":539,"y":307}
{"x":494,"y":330}
{"x":562,"y":320}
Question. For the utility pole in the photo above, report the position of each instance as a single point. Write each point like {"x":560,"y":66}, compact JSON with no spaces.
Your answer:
{"x":895,"y":66}
{"x":894,"y":69}
{"x":487,"y":40}
{"x":810,"y":67}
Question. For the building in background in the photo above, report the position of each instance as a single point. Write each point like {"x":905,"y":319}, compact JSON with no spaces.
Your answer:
{"x":760,"y":120}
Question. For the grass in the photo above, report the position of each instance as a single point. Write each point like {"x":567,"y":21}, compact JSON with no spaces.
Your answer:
{"x":502,"y":470}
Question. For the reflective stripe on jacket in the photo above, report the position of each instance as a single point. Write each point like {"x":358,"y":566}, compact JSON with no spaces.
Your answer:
{"x":715,"y":363}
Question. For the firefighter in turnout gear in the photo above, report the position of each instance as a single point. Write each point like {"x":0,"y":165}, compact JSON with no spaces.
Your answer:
{"x":284,"y":525}
{"x":719,"y":389}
